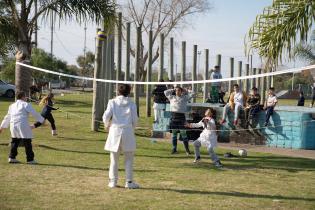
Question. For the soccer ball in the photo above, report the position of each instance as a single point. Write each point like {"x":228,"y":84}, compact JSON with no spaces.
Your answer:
{"x":242,"y":152}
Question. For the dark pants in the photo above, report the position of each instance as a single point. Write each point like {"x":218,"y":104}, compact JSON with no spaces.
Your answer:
{"x":251,"y":112}
{"x":313,"y":100}
{"x":269,"y":112}
{"x":51,"y":120}
{"x":28,"y":148}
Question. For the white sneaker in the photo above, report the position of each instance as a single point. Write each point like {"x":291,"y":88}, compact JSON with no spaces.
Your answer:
{"x":54,"y":133}
{"x":112,"y":184}
{"x":12,"y":160}
{"x":132,"y":185}
{"x":311,"y":106}
{"x":33,"y":162}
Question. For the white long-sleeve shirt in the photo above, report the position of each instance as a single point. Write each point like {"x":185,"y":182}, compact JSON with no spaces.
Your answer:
{"x":123,"y":114}
{"x":18,"y":119}
{"x":208,"y":136}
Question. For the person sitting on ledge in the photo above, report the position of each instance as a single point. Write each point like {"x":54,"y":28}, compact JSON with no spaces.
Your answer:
{"x":253,"y":105}
{"x":270,"y":104}
{"x":236,"y":103}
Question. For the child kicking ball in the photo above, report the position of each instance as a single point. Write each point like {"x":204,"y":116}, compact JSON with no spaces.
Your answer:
{"x":208,"y":137}
{"x":122,"y":113}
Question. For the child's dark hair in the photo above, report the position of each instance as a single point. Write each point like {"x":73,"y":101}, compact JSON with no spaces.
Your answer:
{"x":254,"y":88}
{"x":302,"y":93}
{"x":179,"y":87}
{"x":50,"y":95}
{"x":124,"y":89}
{"x":20,"y":95}
{"x":235,"y":85}
{"x":272,"y":88}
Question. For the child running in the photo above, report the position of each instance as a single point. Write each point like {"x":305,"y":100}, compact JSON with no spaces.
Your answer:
{"x":21,"y":131}
{"x":208,"y":137}
{"x":46,"y":112}
{"x":123,"y":115}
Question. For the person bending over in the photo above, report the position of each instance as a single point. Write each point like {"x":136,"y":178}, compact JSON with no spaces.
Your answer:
{"x":208,"y":137}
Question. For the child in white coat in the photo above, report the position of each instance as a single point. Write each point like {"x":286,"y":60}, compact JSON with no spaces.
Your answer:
{"x":123,"y":115}
{"x":21,"y":130}
{"x":208,"y":137}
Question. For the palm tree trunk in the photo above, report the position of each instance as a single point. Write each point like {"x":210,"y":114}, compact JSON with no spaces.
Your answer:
{"x":23,"y":74}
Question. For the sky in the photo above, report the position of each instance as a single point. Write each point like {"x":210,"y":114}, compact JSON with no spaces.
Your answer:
{"x":221,"y":30}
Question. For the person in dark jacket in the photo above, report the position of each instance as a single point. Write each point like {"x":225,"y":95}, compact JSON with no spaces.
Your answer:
{"x":46,"y":112}
{"x":253,"y":105}
{"x":301,"y":100}
{"x":159,"y":99}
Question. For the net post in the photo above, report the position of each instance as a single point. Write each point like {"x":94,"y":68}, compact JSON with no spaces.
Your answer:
{"x":136,"y":77}
{"x":218,"y":61}
{"x":263,"y":90}
{"x":127,"y":72}
{"x":254,"y":79}
{"x":259,"y":79}
{"x":171,"y":68}
{"x":119,"y":48}
{"x":161,"y":57}
{"x":183,"y":64}
{"x":231,"y":73}
{"x":148,"y":93}
{"x":239,"y":82}
{"x":96,"y":88}
{"x":247,"y":80}
{"x":194,"y":72}
{"x":206,"y":75}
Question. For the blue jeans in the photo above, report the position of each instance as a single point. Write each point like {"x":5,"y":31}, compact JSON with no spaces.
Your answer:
{"x":269,"y":112}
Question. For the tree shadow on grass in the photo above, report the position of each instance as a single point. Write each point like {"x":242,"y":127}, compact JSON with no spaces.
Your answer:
{"x":91,"y":168}
{"x":74,"y":151}
{"x":80,"y":139}
{"x":233,"y":194}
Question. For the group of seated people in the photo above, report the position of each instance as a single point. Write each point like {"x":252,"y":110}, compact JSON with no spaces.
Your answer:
{"x":251,"y":105}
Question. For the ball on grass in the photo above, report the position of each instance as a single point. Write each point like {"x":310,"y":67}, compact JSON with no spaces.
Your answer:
{"x":62,"y":94}
{"x":242,"y":152}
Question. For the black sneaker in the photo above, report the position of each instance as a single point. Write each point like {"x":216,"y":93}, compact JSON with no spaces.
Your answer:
{"x":174,"y":151}
{"x":218,"y":164}
{"x":197,"y":159}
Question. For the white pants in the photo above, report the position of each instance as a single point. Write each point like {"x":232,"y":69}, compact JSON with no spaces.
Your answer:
{"x":158,"y":110}
{"x":113,"y":169}
{"x":197,"y":145}
{"x":237,"y":110}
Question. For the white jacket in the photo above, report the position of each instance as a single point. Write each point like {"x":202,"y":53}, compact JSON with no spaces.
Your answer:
{"x":17,"y":119}
{"x":123,"y":113}
{"x":208,"y":136}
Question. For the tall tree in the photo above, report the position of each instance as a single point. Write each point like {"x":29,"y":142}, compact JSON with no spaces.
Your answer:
{"x":160,"y":16}
{"x":277,"y":30}
{"x":20,"y":18}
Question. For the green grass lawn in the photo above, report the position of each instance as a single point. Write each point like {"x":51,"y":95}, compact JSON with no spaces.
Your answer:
{"x":73,"y":173}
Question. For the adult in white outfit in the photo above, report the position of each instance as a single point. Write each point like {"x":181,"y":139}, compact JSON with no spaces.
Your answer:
{"x":122,"y":113}
{"x":21,"y":130}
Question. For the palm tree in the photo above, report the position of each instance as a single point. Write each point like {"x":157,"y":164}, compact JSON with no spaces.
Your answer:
{"x":279,"y":28}
{"x":18,"y":21}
